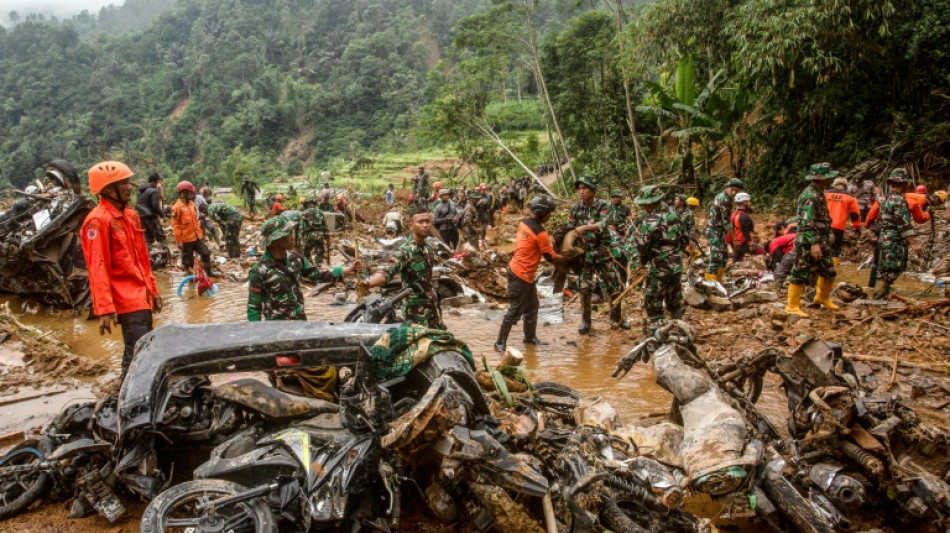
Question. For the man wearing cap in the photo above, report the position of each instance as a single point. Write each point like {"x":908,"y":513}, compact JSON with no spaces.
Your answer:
{"x":413,"y":262}
{"x":189,"y":236}
{"x":718,"y":224}
{"x":683,"y":207}
{"x":531,"y":244}
{"x":743,"y":227}
{"x":841,"y":207}
{"x":658,"y":241}
{"x":420,"y":188}
{"x":313,"y":228}
{"x":618,"y":214}
{"x":471,"y":221}
{"x":249,"y":190}
{"x":897,"y":231}
{"x":588,"y":217}
{"x":277,"y":207}
{"x":121,"y":283}
{"x":446,"y":216}
{"x":149,"y":207}
{"x":296,"y":217}
{"x":813,"y":243}
{"x":229,"y":219}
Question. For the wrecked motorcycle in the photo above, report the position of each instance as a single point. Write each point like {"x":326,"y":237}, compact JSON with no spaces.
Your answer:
{"x":132,"y":442}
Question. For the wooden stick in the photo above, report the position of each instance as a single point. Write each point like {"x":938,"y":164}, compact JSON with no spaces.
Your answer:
{"x":890,"y":382}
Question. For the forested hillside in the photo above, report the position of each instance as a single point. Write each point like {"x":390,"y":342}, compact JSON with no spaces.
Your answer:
{"x":213,"y":79}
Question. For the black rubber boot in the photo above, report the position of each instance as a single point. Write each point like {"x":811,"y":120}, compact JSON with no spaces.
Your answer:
{"x":616,"y":318}
{"x":502,"y":340}
{"x":210,"y":272}
{"x":585,"y":314}
{"x":531,"y":333}
{"x":881,"y":292}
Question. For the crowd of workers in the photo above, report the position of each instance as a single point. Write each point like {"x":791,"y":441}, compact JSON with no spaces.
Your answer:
{"x":621,"y":248}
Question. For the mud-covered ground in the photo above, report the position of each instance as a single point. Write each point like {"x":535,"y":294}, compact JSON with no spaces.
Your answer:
{"x":50,"y":357}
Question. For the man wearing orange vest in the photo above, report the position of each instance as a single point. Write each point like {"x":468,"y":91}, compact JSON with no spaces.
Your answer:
{"x":188,"y":233}
{"x":120,"y":271}
{"x":842,"y":207}
{"x":277,"y":207}
{"x":743,"y":229}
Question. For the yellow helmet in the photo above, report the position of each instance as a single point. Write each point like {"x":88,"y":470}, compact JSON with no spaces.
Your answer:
{"x":942,"y":195}
{"x":693,"y":202}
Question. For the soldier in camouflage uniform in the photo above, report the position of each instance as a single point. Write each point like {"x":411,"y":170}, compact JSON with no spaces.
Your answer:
{"x":314,"y":232}
{"x":420,"y":189}
{"x":813,"y":243}
{"x":471,"y":223}
{"x":717,"y":226}
{"x":897,"y":231}
{"x":683,"y":207}
{"x":274,"y":282}
{"x":296,"y":217}
{"x":588,"y":217}
{"x":229,"y":219}
{"x":274,"y":294}
{"x":658,"y":241}
{"x":618,"y":214}
{"x":413,"y":262}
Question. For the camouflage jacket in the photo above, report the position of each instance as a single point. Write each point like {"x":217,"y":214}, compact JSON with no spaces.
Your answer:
{"x":313,"y":223}
{"x":618,"y":216}
{"x":658,"y":239}
{"x":445,"y":216}
{"x":224,"y":214}
{"x":421,"y":185}
{"x":274,"y":287}
{"x":688,"y":222}
{"x":896,"y":222}
{"x":595,"y":213}
{"x":413,"y":263}
{"x":719,"y":212}
{"x":814,"y":221}
{"x":470,"y":218}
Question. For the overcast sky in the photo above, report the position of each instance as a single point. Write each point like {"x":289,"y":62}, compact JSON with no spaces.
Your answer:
{"x":61,"y":8}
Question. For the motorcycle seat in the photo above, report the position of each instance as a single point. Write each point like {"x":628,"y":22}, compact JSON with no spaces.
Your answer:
{"x":270,"y":402}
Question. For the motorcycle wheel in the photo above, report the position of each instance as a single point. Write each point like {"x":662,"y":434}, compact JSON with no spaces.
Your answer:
{"x":175,"y":510}
{"x":19,"y":492}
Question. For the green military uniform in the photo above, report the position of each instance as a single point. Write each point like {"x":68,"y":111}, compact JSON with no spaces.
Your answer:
{"x":659,"y":240}
{"x":421,"y":190}
{"x":716,"y":227}
{"x":618,"y":215}
{"x":598,"y":257}
{"x":687,"y":221}
{"x":313,"y":230}
{"x":471,"y":223}
{"x":896,"y":227}
{"x":249,"y":191}
{"x":814,"y":227}
{"x":274,"y":286}
{"x":413,"y":263}
{"x":229,"y":219}
{"x":274,"y":294}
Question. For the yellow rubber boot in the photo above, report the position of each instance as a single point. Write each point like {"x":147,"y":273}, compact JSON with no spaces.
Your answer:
{"x":834,"y":261}
{"x":710,"y":277}
{"x":720,"y":273}
{"x":793,"y":307}
{"x":823,"y":294}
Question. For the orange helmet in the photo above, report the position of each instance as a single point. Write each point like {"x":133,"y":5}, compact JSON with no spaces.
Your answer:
{"x":279,"y":197}
{"x":185,"y":186}
{"x":106,"y":173}
{"x":437,"y":185}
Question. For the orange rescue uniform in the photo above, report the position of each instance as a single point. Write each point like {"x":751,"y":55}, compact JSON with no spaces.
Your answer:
{"x":185,"y":222}
{"x":120,"y":270}
{"x":841,"y":207}
{"x":531,"y":244}
{"x":915,"y":201}
{"x":276,"y":209}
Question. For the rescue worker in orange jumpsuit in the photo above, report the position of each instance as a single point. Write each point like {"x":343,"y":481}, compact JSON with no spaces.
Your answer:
{"x":842,"y":207}
{"x":120,"y":271}
{"x":188,"y":233}
{"x":278,"y":206}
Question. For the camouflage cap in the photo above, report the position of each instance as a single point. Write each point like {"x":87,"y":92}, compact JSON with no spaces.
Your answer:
{"x":898,"y":175}
{"x":276,"y":228}
{"x":585,"y":180}
{"x":292,"y":215}
{"x":650,"y":194}
{"x":615,"y":193}
{"x":735,"y":182}
{"x":475,"y":194}
{"x":821,"y":171}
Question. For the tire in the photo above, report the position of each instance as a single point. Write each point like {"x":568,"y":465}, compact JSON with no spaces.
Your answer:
{"x":259,"y":516}
{"x":16,"y":495}
{"x":556,"y":389}
{"x":614,"y":519}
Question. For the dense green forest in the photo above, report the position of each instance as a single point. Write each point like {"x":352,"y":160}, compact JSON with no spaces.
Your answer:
{"x":669,"y":91}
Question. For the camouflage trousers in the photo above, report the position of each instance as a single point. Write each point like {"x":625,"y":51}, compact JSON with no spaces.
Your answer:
{"x":663,"y":289}
{"x":314,"y":249}
{"x":806,"y":266}
{"x":600,"y":273}
{"x":471,"y":235}
{"x":232,"y":234}
{"x":424,"y":312}
{"x":891,"y":257}
{"x":718,"y":251}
